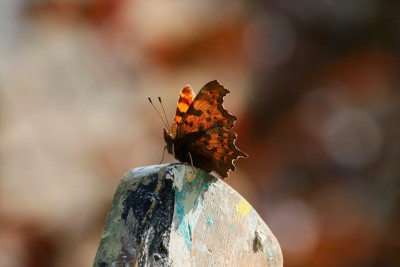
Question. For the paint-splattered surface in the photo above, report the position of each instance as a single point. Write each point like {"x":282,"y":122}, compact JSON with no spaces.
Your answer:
{"x":169,"y":215}
{"x":219,"y":227}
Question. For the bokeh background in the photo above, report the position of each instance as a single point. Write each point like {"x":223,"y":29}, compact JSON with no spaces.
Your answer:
{"x":314,"y":84}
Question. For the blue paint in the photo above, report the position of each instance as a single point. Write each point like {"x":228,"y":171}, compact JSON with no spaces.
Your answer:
{"x":190,"y":204}
{"x":210,"y":221}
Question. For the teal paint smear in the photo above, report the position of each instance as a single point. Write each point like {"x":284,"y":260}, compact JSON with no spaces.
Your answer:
{"x":210,"y":221}
{"x":190,"y":204}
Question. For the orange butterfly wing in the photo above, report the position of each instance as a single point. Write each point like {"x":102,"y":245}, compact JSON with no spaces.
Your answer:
{"x":186,"y":97}
{"x":206,"y":111}
{"x":202,"y":130}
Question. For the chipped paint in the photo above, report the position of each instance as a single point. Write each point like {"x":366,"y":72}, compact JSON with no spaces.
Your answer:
{"x":243,"y":207}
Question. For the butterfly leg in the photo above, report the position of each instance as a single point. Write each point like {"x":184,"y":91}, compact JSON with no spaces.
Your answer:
{"x":173,"y":150}
{"x":162,"y":159}
{"x":191,"y":163}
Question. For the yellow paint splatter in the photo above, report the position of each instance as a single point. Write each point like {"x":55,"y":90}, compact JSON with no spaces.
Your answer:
{"x":243,"y":207}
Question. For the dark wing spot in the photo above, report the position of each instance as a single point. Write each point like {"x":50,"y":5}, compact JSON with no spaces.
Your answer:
{"x":220,"y":123}
{"x":179,"y":112}
{"x":191,"y":124}
{"x":208,"y":119}
{"x":195,"y":112}
{"x":184,"y":100}
{"x":209,"y":112}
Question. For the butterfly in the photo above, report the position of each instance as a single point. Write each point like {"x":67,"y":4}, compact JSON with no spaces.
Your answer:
{"x":200,"y":132}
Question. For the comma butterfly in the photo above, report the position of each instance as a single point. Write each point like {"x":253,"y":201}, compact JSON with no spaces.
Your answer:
{"x":200,"y":133}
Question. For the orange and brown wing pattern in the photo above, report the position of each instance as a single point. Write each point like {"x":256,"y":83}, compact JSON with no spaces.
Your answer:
{"x":218,"y":144}
{"x":204,"y":131}
{"x":186,"y":97}
{"x":206,"y":111}
{"x":200,"y":133}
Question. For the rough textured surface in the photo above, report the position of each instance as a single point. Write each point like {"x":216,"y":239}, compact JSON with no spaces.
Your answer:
{"x":168,"y":215}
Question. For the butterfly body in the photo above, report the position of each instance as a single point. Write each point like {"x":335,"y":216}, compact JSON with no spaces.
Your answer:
{"x":200,"y":133}
{"x":181,"y":148}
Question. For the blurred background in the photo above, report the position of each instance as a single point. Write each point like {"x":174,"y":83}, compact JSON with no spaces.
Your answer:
{"x":314,"y":84}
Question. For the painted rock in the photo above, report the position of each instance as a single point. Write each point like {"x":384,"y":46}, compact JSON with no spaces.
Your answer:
{"x":169,"y":215}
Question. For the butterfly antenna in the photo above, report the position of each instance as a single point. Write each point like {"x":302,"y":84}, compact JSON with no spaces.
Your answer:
{"x":151,"y":102}
{"x":162,"y":106}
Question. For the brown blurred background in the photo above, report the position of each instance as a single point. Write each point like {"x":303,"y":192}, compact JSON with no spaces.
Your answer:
{"x":314,"y":84}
